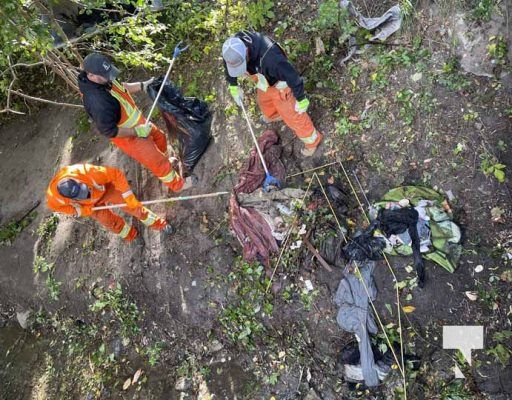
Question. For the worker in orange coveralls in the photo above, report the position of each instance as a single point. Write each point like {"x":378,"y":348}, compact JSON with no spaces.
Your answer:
{"x":76,"y":189}
{"x":280,"y":89}
{"x":116,"y":116}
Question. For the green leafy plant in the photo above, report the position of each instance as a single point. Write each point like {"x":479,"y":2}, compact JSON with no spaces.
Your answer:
{"x":483,"y":10}
{"x":501,"y":350}
{"x":126,"y":312}
{"x":407,"y":111}
{"x":259,"y":12}
{"x":489,"y":165}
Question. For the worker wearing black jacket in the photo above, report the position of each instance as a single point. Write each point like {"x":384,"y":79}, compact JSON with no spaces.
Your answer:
{"x":110,"y":105}
{"x":280,"y":89}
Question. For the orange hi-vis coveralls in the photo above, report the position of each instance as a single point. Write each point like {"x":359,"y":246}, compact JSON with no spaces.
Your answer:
{"x":278,"y":84}
{"x":111,"y":107}
{"x":151,"y":151}
{"x":107,"y":185}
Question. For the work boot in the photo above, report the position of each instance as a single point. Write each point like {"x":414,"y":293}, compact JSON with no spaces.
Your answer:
{"x":190,"y":181}
{"x":308,"y":152}
{"x":265,"y":120}
{"x":168,"y":230}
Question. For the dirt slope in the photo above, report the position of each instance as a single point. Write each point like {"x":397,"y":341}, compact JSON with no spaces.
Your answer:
{"x":443,"y":131}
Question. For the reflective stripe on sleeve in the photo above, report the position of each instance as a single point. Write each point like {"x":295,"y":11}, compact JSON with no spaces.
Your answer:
{"x":150,"y":219}
{"x":311,"y":138}
{"x":125,"y":231}
{"x":169,"y":177}
{"x":127,"y":193}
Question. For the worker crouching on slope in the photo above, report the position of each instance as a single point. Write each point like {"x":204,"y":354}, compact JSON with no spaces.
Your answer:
{"x":76,"y":189}
{"x":280,"y":89}
{"x":113,"y":110}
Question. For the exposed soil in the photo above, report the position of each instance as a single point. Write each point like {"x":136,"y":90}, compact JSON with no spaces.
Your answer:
{"x":182,"y":284}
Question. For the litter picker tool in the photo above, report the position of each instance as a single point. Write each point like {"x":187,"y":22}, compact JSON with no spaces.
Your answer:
{"x":177,"y":51}
{"x":166,"y":200}
{"x":269,"y":179}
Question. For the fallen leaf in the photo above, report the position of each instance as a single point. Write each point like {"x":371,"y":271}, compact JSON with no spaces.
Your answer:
{"x":127,"y":383}
{"x":137,"y":375}
{"x":506,"y":276}
{"x":319,"y":46}
{"x":354,"y":118}
{"x":408,"y":309}
{"x":416,"y":77}
{"x":473,"y":296}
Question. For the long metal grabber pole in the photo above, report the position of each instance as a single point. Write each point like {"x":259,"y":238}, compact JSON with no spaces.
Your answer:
{"x":177,"y":51}
{"x":166,"y":200}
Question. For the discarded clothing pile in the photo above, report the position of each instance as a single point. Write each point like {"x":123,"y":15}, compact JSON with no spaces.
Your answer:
{"x":188,"y":121}
{"x":408,"y":220}
{"x":436,"y":236}
{"x":259,"y":219}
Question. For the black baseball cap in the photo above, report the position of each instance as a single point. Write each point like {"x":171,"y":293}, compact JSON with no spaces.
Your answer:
{"x":98,"y":64}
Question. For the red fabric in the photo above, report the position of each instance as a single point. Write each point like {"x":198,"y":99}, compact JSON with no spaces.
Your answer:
{"x":274,"y":103}
{"x":253,"y":232}
{"x":252,"y":173}
{"x":248,"y":224}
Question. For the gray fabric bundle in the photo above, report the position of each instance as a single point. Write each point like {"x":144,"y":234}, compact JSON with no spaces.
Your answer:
{"x":354,"y":314}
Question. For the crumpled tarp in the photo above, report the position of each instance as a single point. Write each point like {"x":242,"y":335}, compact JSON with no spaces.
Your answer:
{"x":388,"y":23}
{"x":355,"y":315}
{"x":249,"y":224}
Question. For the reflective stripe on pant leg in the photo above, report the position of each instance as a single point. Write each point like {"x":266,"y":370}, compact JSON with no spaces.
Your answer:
{"x":150,"y":219}
{"x":311,"y":139}
{"x":300,"y":124}
{"x":153,"y":221}
{"x":125,"y":231}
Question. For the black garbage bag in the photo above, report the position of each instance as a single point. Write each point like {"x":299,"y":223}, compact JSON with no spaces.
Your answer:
{"x":188,"y":121}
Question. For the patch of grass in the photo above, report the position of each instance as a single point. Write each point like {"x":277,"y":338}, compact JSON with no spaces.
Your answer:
{"x":483,"y":10}
{"x":242,"y":319}
{"x":259,"y":12}
{"x":451,"y":77}
{"x":501,"y":351}
{"x":41,"y":265}
{"x":10,"y":231}
{"x":407,"y":109}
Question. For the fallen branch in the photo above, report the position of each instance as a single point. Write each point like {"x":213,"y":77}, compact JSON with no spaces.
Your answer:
{"x":315,"y":252}
{"x":44,"y":100}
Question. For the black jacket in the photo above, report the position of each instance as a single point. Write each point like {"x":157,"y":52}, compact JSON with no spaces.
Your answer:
{"x":266,"y":57}
{"x":102,"y":107}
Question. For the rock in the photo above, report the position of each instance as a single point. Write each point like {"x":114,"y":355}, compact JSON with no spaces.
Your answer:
{"x":215,"y":346}
{"x":23,"y":318}
{"x":312,"y":395}
{"x":183,"y":384}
